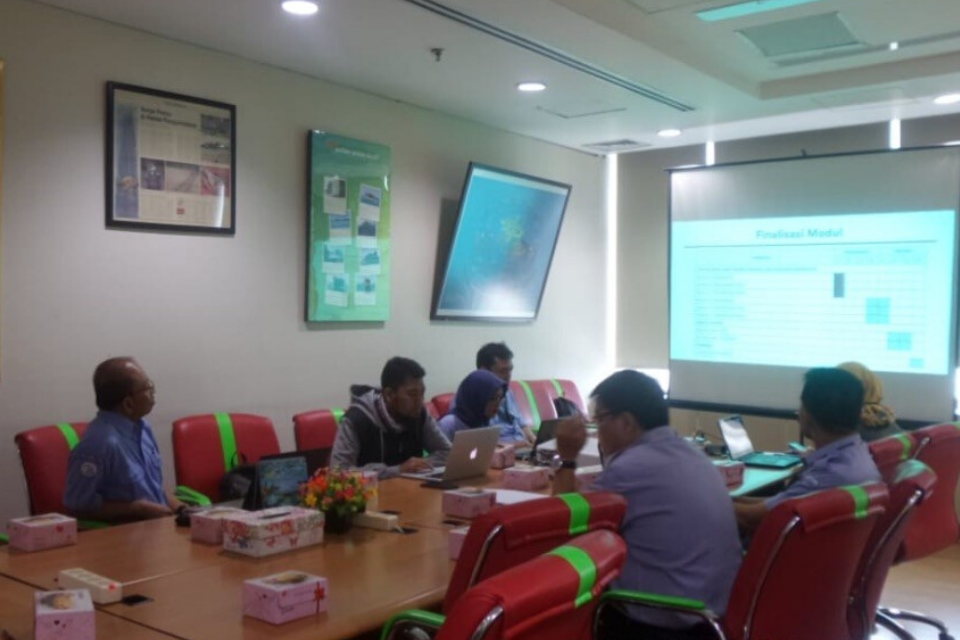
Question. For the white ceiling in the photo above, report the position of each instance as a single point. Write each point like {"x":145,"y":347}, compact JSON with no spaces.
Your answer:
{"x":384,"y":47}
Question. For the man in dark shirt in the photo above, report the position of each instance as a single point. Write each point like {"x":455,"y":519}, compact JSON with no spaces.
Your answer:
{"x":388,"y":429}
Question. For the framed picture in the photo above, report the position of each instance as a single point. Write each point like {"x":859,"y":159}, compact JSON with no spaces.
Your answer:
{"x":171,"y":161}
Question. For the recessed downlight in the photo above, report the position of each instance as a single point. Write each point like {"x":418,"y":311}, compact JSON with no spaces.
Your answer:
{"x":669,"y":133}
{"x":893,"y":46}
{"x":300,"y":7}
{"x":949,"y":98}
{"x":531,"y":87}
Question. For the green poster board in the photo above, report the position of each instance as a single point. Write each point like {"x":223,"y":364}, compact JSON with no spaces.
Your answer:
{"x":348,"y":230}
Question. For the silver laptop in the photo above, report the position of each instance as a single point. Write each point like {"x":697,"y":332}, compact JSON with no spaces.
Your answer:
{"x":469,"y":456}
{"x":741,"y":449}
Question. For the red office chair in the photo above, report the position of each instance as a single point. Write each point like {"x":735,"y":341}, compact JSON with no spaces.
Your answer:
{"x":506,"y":536}
{"x":44,"y":453}
{"x":206,"y":446}
{"x":442,"y":403}
{"x":795,"y":579}
{"x":910,"y":485}
{"x":934,"y":527}
{"x":888,"y":453}
{"x":432,"y":410}
{"x":535,"y":400}
{"x":316,"y":429}
{"x":549,"y":597}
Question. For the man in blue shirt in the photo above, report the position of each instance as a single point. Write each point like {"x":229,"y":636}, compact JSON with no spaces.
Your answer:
{"x":830,"y":406}
{"x":115,"y":471}
{"x":679,"y":526}
{"x":497,"y":357}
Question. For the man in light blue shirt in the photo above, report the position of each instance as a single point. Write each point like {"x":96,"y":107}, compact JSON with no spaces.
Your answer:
{"x":115,"y":471}
{"x":679,"y":527}
{"x":830,"y":406}
{"x":497,"y":357}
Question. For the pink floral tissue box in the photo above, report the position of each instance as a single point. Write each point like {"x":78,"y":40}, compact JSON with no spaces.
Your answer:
{"x":503,"y":457}
{"x":42,"y":532}
{"x":468,"y":503}
{"x":526,"y":478}
{"x":285,"y":596}
{"x":64,"y":615}
{"x":731,"y":471}
{"x":207,"y":525}
{"x":264,"y":533}
{"x":455,"y":541}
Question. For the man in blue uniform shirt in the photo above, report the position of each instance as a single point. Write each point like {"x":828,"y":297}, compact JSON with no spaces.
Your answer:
{"x":115,"y":471}
{"x":679,"y":527}
{"x":497,"y":357}
{"x":830,"y":406}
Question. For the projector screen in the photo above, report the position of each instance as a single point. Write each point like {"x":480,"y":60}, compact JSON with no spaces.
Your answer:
{"x":781,"y":266}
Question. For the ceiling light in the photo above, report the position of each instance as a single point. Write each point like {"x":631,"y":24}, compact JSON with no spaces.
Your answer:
{"x":741,"y":9}
{"x":300,"y":7}
{"x":950,"y":98}
{"x":669,"y":133}
{"x":894,"y":46}
{"x":531,"y":86}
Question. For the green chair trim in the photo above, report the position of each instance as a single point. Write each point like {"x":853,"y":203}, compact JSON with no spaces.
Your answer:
{"x":641,"y":597}
{"x":337,"y":414}
{"x":418,"y":616}
{"x":228,"y":441}
{"x":558,"y":387}
{"x":69,"y":434}
{"x":534,"y":411}
{"x":579,"y":512}
{"x":906,"y":446}
{"x":861,"y":501}
{"x":191,"y":496}
{"x":583,"y":564}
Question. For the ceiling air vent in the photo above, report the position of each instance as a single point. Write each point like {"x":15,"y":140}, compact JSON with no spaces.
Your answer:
{"x":623,"y":145}
{"x":819,"y":33}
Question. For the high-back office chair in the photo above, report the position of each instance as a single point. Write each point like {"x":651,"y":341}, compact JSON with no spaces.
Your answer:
{"x":934,"y":527}
{"x":316,"y":429}
{"x":549,"y":597}
{"x":888,"y":453}
{"x":911,"y":483}
{"x":44,"y":453}
{"x":206,"y":446}
{"x":795,"y":579}
{"x":442,"y":403}
{"x":506,"y":536}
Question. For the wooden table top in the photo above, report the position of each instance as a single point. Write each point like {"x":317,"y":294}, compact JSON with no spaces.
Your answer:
{"x":126,"y":553}
{"x":17,"y":605}
{"x":372,"y":575}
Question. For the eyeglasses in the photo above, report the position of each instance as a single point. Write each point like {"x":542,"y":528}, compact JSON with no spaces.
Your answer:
{"x":148,"y":388}
{"x":600,"y":417}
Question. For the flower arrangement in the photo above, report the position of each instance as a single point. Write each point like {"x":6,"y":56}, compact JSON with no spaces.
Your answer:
{"x":336,"y":491}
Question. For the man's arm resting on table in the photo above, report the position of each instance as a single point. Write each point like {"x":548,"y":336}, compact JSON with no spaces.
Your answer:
{"x":126,"y":511}
{"x":750,"y":512}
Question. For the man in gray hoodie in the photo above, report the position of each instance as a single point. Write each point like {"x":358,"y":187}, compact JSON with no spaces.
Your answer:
{"x":388,"y":429}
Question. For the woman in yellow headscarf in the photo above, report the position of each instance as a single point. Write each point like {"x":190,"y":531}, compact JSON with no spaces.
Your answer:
{"x":877,"y":420}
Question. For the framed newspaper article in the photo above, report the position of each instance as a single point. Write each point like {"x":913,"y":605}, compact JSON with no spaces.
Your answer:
{"x":171,"y":161}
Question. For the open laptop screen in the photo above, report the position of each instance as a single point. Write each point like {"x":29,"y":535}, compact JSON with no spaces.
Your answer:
{"x":735,"y":436}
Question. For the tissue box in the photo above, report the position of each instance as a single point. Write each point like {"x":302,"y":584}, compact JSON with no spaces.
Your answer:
{"x":207,"y":525}
{"x":468,"y":503}
{"x":526,"y":478}
{"x":371,"y":480}
{"x":285,"y":596}
{"x":585,"y":476}
{"x":503,"y":457}
{"x":64,"y":615}
{"x":42,"y":532}
{"x":270,"y":531}
{"x":455,"y":541}
{"x":731,"y":471}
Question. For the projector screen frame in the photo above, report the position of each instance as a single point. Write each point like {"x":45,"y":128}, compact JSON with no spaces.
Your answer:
{"x":784,"y":412}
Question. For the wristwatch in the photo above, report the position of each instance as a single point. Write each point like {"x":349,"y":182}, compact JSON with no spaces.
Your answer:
{"x":558,"y":463}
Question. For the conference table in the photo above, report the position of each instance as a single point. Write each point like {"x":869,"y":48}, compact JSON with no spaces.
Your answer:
{"x":194,"y":589}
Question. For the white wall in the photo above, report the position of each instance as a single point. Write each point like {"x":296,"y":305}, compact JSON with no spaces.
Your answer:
{"x":217,"y":322}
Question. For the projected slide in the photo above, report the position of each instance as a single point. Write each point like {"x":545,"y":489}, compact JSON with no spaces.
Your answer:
{"x":809,"y":291}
